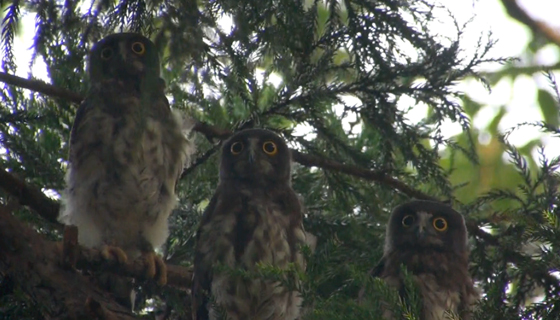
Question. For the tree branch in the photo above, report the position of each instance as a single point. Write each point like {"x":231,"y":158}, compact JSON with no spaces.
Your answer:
{"x":379,"y":176}
{"x":89,"y":259}
{"x":42,"y":87}
{"x":45,"y":272}
{"x":211,"y":132}
{"x":83,"y":258}
{"x":32,"y":264}
{"x":200,"y":160}
{"x":538,"y":27}
{"x":30,"y":196}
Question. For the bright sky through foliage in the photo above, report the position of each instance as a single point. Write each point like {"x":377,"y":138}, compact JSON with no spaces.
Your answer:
{"x":518,"y":96}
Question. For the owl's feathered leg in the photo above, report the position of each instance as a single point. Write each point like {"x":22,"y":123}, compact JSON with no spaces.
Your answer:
{"x":155,"y":267}
{"x":114,"y":253}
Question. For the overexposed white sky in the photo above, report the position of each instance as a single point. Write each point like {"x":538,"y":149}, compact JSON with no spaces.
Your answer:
{"x":518,"y":96}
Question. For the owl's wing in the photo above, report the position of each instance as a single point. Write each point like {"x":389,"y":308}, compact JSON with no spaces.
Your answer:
{"x":378,"y":269}
{"x":85,"y":107}
{"x":469,"y":298}
{"x":202,"y":276}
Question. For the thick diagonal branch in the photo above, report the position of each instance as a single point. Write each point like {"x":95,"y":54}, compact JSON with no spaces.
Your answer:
{"x":42,"y":87}
{"x":32,"y":264}
{"x":29,"y":196}
{"x":324,"y":163}
{"x":92,"y":259}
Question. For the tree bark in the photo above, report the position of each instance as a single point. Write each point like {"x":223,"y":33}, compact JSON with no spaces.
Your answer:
{"x":33,"y":265}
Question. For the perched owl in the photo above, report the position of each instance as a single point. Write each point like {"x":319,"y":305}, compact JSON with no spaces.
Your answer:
{"x":254,"y":217}
{"x":127,"y":151}
{"x":430,"y":240}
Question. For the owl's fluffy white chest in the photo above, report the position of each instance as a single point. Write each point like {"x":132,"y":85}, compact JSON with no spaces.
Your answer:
{"x":122,"y":178}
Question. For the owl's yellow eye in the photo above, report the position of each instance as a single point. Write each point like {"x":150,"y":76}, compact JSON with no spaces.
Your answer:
{"x":236,"y":148}
{"x":270,"y":148}
{"x":408,"y":220}
{"x":138,"y":48}
{"x":106,"y":53}
{"x":440,"y":224}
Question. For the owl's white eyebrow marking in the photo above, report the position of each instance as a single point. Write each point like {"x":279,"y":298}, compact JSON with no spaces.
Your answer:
{"x":424,"y":218}
{"x":253,"y":143}
{"x":123,"y":48}
{"x":252,"y":147}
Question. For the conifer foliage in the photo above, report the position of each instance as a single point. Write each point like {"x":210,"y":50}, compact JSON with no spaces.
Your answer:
{"x":336,"y":79}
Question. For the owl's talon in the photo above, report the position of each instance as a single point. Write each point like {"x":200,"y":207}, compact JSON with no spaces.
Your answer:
{"x":114,"y":253}
{"x":155,"y":267}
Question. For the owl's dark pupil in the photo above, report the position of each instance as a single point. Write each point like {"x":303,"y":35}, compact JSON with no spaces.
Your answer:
{"x":269,"y":147}
{"x":236,"y":147}
{"x":106,"y":53}
{"x":138,"y":48}
{"x":408,"y":220}
{"x":440,"y":224}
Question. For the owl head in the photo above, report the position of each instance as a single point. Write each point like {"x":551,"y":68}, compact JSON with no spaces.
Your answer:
{"x":127,"y":57}
{"x":256,"y":156}
{"x":423,"y":224}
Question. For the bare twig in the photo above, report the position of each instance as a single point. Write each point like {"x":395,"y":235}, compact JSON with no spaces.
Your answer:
{"x":42,"y":87}
{"x":515,"y":11}
{"x":200,"y":160}
{"x":29,"y":196}
{"x":211,"y":132}
{"x":475,"y":231}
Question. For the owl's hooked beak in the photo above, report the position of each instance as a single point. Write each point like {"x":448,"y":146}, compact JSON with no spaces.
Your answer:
{"x":252,"y":156}
{"x":252,"y":147}
{"x":420,"y":231}
{"x":422,"y":228}
{"x":128,"y":62}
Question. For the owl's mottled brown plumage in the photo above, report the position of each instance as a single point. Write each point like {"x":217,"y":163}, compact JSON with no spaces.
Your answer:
{"x":127,"y":151}
{"x":430,"y":240}
{"x":254,"y":217}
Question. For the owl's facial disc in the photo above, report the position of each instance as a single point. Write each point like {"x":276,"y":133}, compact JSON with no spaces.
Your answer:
{"x":124,"y":59}
{"x":253,"y":158}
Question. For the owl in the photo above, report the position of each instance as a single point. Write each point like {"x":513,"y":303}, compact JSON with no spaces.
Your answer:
{"x":127,"y":151}
{"x":254,"y":218}
{"x":430,"y":240}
